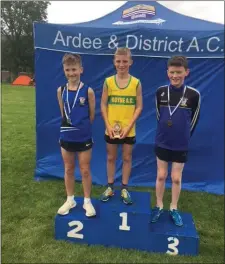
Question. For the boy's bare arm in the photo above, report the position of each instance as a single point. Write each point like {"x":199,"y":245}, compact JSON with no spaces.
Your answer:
{"x":139,"y":106}
{"x":91,"y":100}
{"x":104,"y":105}
{"x":59,"y":96}
{"x":104,"y":110}
{"x":137,"y":112}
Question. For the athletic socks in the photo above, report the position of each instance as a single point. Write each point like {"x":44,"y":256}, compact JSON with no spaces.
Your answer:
{"x":70,"y":198}
{"x":111,"y":185}
{"x":124,"y":186}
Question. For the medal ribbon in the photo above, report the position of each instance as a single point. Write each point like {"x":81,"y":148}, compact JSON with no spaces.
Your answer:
{"x":67,"y":101}
{"x":172,"y":112}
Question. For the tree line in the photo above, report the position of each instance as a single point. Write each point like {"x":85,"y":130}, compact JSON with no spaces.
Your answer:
{"x":17,"y":42}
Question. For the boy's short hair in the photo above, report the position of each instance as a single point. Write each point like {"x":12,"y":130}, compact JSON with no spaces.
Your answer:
{"x":178,"y":61}
{"x":123,"y":51}
{"x":69,"y":58}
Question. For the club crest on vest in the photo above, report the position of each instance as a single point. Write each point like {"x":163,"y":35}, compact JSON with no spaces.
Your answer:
{"x":82,"y":100}
{"x":184,"y":102}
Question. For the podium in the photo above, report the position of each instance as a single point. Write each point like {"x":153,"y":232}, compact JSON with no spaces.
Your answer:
{"x":128,"y":226}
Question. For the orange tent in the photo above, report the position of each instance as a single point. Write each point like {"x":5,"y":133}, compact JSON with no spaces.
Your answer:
{"x":23,"y":80}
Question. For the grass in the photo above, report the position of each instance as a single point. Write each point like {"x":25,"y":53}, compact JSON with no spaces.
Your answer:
{"x":29,"y":207}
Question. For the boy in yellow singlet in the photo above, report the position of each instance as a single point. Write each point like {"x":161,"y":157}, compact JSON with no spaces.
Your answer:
{"x":121,"y":105}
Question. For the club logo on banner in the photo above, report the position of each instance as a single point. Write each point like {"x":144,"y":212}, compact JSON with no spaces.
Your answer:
{"x":139,"y":14}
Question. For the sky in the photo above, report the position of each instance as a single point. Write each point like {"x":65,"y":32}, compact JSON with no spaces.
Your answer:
{"x":83,"y":11}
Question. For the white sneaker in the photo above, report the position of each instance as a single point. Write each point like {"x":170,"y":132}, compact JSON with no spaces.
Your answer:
{"x":90,"y":210}
{"x":65,"y":208}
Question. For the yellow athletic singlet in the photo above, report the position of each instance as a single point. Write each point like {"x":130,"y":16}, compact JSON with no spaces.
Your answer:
{"x":121,"y":102}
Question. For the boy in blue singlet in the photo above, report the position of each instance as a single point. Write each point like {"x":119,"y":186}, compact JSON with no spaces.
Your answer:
{"x":77,"y":106}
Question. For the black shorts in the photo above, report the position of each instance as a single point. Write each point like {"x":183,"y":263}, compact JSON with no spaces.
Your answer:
{"x":76,"y":146}
{"x":171,"y":155}
{"x":126,"y":140}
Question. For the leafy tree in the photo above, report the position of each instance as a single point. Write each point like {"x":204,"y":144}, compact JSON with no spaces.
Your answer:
{"x":17,"y":33}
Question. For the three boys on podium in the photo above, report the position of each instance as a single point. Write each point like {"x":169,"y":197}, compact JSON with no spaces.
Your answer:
{"x":177,"y":111}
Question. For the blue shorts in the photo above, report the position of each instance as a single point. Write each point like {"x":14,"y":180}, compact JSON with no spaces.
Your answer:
{"x":171,"y":155}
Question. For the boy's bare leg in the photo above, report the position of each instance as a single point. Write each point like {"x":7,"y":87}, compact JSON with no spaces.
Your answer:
{"x":127,"y":162}
{"x":111,"y":161}
{"x":69,"y":165}
{"x":84,"y":158}
{"x":162,"y":172}
{"x":176,"y":175}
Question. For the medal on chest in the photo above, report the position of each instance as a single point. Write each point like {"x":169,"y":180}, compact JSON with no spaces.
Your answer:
{"x":170,"y":122}
{"x":68,"y":109}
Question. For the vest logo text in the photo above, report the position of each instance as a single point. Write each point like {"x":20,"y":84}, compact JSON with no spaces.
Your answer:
{"x":122,"y":100}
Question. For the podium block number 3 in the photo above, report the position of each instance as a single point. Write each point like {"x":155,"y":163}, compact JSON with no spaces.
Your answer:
{"x":172,"y":246}
{"x":124,"y":225}
{"x":74,"y":232}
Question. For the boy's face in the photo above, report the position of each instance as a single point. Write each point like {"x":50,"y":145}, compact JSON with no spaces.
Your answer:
{"x":177,"y":75}
{"x":122,"y":63}
{"x":72,"y":71}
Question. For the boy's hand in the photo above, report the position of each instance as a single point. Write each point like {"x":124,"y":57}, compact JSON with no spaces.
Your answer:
{"x":110,"y":132}
{"x":125,"y":131}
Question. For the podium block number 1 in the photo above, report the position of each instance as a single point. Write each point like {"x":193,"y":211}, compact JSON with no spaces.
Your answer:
{"x":124,"y":225}
{"x":74,"y":232}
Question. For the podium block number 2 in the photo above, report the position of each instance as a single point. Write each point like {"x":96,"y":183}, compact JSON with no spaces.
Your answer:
{"x":124,"y":225}
{"x":74,"y":232}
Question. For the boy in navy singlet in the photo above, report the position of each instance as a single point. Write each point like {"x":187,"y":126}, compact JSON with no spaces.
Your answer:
{"x":77,"y":106}
{"x":177,"y":110}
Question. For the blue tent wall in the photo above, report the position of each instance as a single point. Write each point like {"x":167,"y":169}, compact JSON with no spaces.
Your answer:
{"x":205,"y":169}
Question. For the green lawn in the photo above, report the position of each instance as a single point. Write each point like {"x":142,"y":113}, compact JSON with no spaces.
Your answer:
{"x":29,"y":207}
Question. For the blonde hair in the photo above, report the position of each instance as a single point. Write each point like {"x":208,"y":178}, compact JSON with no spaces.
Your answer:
{"x":69,"y":58}
{"x":123,"y":51}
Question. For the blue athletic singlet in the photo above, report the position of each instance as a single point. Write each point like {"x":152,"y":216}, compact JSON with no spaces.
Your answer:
{"x":76,"y":125}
